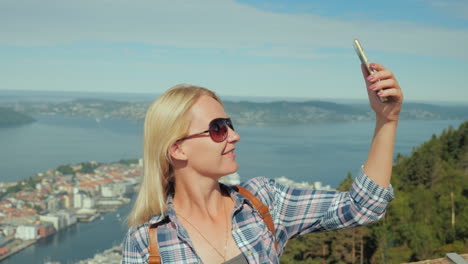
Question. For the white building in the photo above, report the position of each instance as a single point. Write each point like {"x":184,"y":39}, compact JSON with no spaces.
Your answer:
{"x":82,"y":200}
{"x":26,"y":232}
{"x":108,"y":190}
{"x":53,"y":203}
{"x":89,"y":202}
{"x":68,"y":218}
{"x":17,"y":203}
{"x":117,"y":189}
{"x":7,"y":230}
{"x":54,"y":219}
{"x":60,"y":219}
{"x":78,"y":199}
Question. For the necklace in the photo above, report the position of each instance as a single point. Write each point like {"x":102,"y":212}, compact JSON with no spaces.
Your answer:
{"x":206,"y":239}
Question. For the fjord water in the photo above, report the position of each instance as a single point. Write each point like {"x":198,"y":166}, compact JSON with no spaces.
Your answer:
{"x":318,"y":152}
{"x":78,"y":242}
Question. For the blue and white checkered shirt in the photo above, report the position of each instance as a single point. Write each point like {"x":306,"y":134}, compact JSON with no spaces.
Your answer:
{"x":294,"y":211}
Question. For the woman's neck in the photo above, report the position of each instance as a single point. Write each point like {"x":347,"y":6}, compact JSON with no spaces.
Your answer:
{"x":197,"y":195}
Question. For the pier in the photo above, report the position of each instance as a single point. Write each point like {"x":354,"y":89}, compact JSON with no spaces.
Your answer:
{"x":17,"y":248}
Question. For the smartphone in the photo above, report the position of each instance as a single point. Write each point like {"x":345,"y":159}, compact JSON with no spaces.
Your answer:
{"x":362,"y":56}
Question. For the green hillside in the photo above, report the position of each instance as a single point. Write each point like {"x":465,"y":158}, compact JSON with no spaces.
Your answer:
{"x":9,"y":117}
{"x":427,"y":219}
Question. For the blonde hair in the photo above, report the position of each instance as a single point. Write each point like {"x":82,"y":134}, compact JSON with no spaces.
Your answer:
{"x":166,"y":121}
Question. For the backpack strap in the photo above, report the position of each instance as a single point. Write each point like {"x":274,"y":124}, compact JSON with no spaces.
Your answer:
{"x":154,"y":256}
{"x":262,"y":209}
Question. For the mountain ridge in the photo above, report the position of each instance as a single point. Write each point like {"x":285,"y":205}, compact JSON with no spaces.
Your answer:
{"x":248,"y":113}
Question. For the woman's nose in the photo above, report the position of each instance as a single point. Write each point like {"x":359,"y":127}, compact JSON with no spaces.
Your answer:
{"x":233,"y":136}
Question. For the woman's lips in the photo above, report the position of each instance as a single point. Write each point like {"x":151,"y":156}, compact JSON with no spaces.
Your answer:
{"x":230,"y":153}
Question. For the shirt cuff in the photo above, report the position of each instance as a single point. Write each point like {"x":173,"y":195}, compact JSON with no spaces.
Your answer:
{"x":369,"y":194}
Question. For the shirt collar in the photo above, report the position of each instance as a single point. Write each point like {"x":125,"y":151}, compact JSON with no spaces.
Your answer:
{"x":170,"y":214}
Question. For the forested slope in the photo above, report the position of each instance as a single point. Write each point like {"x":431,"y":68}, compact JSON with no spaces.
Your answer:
{"x":428,"y":218}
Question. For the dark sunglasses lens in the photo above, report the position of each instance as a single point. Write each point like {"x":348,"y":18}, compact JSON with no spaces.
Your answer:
{"x":229,"y":123}
{"x":218,"y":130}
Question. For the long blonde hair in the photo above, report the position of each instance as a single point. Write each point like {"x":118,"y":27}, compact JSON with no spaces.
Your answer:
{"x":166,"y":121}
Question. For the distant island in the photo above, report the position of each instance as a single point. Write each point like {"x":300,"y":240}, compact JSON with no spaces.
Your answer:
{"x":9,"y":117}
{"x":248,"y":113}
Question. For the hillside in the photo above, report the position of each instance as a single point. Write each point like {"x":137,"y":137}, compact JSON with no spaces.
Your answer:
{"x":426,"y":220}
{"x":8,"y":117}
{"x":283,"y":112}
{"x":251,"y":113}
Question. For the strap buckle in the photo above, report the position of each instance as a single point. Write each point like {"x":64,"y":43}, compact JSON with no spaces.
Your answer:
{"x":267,"y":213}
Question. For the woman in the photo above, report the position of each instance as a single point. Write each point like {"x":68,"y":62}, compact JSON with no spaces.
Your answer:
{"x":189,"y":144}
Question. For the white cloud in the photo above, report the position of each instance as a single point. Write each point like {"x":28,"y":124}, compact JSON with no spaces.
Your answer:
{"x":220,"y":24}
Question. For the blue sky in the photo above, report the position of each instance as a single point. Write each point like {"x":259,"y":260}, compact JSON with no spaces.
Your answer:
{"x":299,"y":49}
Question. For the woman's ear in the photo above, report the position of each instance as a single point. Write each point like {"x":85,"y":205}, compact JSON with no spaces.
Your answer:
{"x":176,"y":152}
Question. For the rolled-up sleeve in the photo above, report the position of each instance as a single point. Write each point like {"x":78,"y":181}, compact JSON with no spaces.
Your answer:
{"x":363,"y":204}
{"x":370,"y":195}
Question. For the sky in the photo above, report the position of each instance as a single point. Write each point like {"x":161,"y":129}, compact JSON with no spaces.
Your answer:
{"x":250,"y":48}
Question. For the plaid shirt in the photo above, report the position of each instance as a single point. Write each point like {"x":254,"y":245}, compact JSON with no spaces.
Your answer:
{"x":294,"y":211}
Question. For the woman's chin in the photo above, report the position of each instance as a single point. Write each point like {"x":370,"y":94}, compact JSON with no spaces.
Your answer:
{"x":235,"y":168}
{"x":232,"y":169}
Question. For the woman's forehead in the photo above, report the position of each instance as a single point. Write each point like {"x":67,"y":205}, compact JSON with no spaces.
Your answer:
{"x":206,"y":109}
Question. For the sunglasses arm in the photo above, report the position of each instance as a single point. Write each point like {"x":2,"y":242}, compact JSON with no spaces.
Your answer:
{"x":193,"y":135}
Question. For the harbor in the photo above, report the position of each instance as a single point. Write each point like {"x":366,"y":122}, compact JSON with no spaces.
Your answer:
{"x":56,"y":202}
{"x":91,"y":238}
{"x":17,"y":246}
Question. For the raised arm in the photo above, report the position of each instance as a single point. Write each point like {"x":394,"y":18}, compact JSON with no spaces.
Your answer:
{"x":378,"y":165}
{"x":300,"y":211}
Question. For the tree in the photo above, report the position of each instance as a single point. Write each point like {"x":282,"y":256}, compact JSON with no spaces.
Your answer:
{"x":128,"y":161}
{"x":88,"y":167}
{"x":66,"y":169}
{"x":427,"y":219}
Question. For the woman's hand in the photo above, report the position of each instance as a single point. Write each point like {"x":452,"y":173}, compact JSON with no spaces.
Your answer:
{"x":387,"y":86}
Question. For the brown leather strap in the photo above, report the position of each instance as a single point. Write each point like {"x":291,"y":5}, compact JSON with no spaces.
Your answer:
{"x":154,"y":257}
{"x":261,"y":209}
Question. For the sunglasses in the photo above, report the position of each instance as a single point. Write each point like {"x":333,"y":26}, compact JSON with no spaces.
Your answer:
{"x":218,"y":129}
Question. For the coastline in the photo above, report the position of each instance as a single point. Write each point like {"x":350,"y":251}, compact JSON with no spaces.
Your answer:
{"x":23,"y":245}
{"x":27,"y":243}
{"x":56,"y":200}
{"x":110,"y":205}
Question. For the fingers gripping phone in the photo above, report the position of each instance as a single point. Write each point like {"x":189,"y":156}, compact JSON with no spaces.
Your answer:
{"x":363,"y":58}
